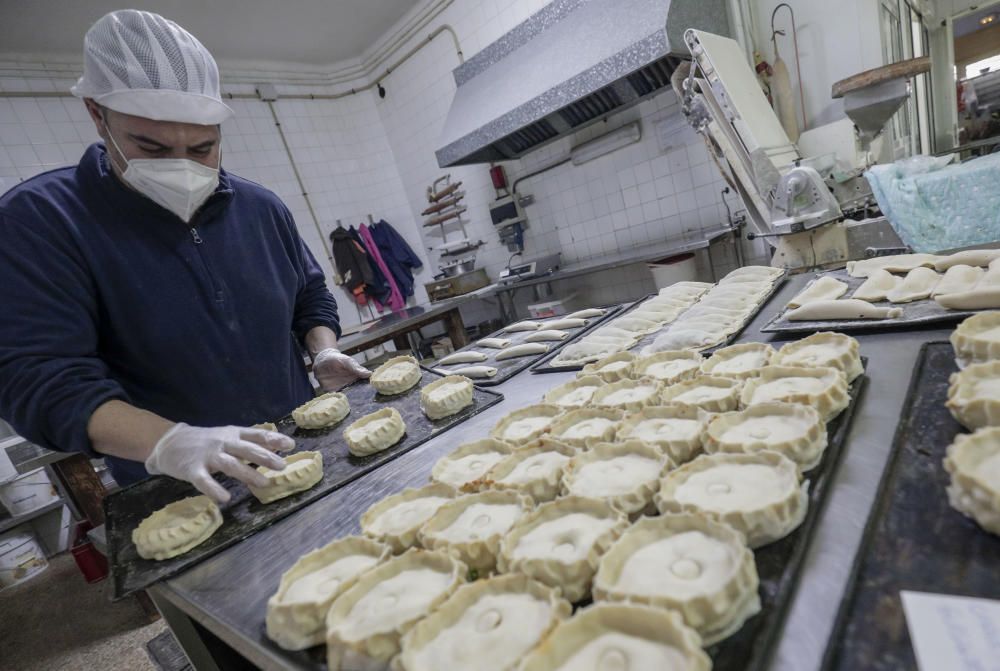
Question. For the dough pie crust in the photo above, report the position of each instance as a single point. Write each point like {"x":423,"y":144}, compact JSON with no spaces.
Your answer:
{"x":821,"y":387}
{"x":447,"y":396}
{"x":974,"y":395}
{"x":396,"y":375}
{"x":296,"y":613}
{"x":322,"y":411}
{"x":794,"y":430}
{"x":575,"y":393}
{"x":396,"y":520}
{"x":524,"y":425}
{"x":687,"y":563}
{"x":738,"y":361}
{"x":371,"y":617}
{"x":559,"y":543}
{"x":712,"y":393}
{"x":535,"y":470}
{"x":470,"y":462}
{"x":669,"y":367}
{"x":375,"y":432}
{"x":760,"y":495}
{"x":973,"y":461}
{"x":586,"y":426}
{"x":626,"y":475}
{"x":177,"y":528}
{"x":622,"y":636}
{"x":611,"y":368}
{"x":675,"y":429}
{"x":470,"y":527}
{"x":302,"y":471}
{"x":825,"y":348}
{"x":488,"y":625}
{"x":628,"y":395}
{"x":977,"y":338}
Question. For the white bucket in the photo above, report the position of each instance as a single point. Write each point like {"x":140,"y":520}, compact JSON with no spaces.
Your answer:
{"x":672,"y":270}
{"x":28,"y":492}
{"x":20,"y":558}
{"x":7,"y":470}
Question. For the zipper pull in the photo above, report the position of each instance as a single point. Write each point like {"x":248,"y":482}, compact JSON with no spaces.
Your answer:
{"x":195,"y":236}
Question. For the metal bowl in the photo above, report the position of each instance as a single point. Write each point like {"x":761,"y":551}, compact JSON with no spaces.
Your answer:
{"x":467,"y":266}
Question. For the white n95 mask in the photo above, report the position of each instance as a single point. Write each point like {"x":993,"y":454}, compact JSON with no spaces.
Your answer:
{"x":176,"y":184}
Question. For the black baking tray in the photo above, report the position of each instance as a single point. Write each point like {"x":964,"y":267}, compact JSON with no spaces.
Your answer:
{"x":916,"y":314}
{"x":243,"y":515}
{"x":913,"y":539}
{"x":508,"y":368}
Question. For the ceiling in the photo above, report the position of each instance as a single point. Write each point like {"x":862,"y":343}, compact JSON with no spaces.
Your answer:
{"x":970,"y":22}
{"x":316,"y":32}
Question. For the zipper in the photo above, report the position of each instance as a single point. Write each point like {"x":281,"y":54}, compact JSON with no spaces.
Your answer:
{"x":216,"y":290}
{"x":195,"y":236}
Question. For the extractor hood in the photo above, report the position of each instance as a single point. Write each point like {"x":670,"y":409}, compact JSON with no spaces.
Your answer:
{"x":571,"y":64}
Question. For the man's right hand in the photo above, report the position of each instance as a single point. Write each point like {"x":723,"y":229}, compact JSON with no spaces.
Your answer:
{"x":193,"y":453}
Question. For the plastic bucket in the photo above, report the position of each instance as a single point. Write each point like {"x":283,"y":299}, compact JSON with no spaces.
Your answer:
{"x":21,"y":557}
{"x":7,"y":470}
{"x":672,"y":270}
{"x":28,"y":492}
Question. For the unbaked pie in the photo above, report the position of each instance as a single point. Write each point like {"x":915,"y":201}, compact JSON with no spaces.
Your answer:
{"x":469,"y":462}
{"x":687,"y":563}
{"x":548,"y":335}
{"x":526,"y":424}
{"x":835,"y":350}
{"x":296,"y":613}
{"x":468,"y":356}
{"x":974,"y":395}
{"x":628,"y":395}
{"x":322,"y":411}
{"x":615,"y":636}
{"x":535,"y":470}
{"x":794,"y":430}
{"x":761,"y":494}
{"x":494,"y":343}
{"x":877,"y":286}
{"x":626,"y":475}
{"x":575,"y":393}
{"x":823,"y":288}
{"x":522,"y":350}
{"x":900,"y":263}
{"x":302,"y":470}
{"x":526,"y":325}
{"x":475,"y":372}
{"x":375,"y":432}
{"x":586,"y":426}
{"x":918,"y":284}
{"x":676,"y":429}
{"x":769,"y":273}
{"x":447,"y":396}
{"x":560,"y":542}
{"x":587,"y":313}
{"x":973,"y":461}
{"x":589,"y":349}
{"x":369,"y":618}
{"x":712,"y":393}
{"x":396,"y":375}
{"x":395,"y":520}
{"x":488,"y":625}
{"x":471,"y":527}
{"x":977,"y":338}
{"x":611,"y":368}
{"x":177,"y":528}
{"x":668,"y":367}
{"x":821,"y":387}
{"x":739,"y":361}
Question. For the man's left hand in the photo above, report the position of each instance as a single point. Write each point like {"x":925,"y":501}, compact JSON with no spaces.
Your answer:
{"x":335,"y":370}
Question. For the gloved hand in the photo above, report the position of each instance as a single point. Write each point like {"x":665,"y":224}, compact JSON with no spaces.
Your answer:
{"x":193,"y":453}
{"x":335,"y":370}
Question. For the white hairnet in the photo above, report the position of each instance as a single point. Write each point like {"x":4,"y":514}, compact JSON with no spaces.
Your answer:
{"x":140,"y":63}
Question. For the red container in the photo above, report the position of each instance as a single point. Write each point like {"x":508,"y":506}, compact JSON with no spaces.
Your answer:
{"x":499,"y":177}
{"x":92,"y":564}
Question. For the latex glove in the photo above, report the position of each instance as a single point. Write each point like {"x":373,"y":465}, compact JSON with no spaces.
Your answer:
{"x":335,"y":370}
{"x":193,"y":453}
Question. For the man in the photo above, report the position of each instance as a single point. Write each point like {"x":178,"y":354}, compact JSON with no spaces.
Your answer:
{"x":154,"y":304}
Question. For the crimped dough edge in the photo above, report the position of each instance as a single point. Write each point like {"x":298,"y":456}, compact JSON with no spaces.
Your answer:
{"x":574,"y":417}
{"x":970,"y":410}
{"x":408,"y":537}
{"x":845,"y":353}
{"x":806,"y":450}
{"x":729,"y":402}
{"x":969,"y":348}
{"x":285,"y":483}
{"x":678,"y":450}
{"x":482,"y":446}
{"x":642,"y":364}
{"x":556,"y":393}
{"x":306,"y":417}
{"x":458,"y":399}
{"x":543,"y":488}
{"x":301,"y":625}
{"x":537,"y":410}
{"x":153,"y":541}
{"x":369,"y":442}
{"x":638,"y":499}
{"x":829,"y":403}
{"x":392,"y":386}
{"x":653,"y":398}
{"x":970,"y":495}
{"x":610,"y":375}
{"x":732,"y":351}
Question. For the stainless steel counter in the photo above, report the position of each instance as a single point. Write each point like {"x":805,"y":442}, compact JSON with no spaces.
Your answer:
{"x":227,"y":594}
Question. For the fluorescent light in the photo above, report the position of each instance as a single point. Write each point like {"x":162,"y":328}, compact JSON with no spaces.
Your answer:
{"x":988,"y":19}
{"x":605,"y":144}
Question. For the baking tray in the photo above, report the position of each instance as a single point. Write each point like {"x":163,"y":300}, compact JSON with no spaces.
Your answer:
{"x":508,"y":368}
{"x":913,"y":539}
{"x":915,"y":314}
{"x":244,"y":515}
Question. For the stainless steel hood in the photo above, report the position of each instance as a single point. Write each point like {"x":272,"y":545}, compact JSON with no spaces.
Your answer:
{"x":572,"y":63}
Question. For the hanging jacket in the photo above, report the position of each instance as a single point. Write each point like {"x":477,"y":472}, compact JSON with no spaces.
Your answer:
{"x":395,"y":300}
{"x":352,"y":262}
{"x":378,"y":288}
{"x":398,"y":256}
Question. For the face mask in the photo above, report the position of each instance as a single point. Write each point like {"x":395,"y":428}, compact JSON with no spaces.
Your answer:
{"x":177,"y":184}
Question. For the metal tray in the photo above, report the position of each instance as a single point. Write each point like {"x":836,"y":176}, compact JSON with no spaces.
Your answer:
{"x":913,"y":539}
{"x":244,"y":515}
{"x":508,"y":368}
{"x":917,"y":313}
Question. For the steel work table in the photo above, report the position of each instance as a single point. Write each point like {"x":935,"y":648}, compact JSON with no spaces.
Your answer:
{"x":227,"y":594}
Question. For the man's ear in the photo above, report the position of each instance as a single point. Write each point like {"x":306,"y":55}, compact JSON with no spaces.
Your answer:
{"x":98,"y":115}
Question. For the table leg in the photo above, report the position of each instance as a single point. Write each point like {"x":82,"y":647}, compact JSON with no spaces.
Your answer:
{"x":186,"y":634}
{"x":711,"y":263}
{"x":456,"y":328}
{"x":83,"y":486}
{"x":402,"y":342}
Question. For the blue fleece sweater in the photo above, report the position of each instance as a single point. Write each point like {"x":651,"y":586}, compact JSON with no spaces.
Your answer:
{"x":106,"y":295}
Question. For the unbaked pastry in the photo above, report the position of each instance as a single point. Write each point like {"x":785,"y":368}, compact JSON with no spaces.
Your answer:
{"x":526,"y":424}
{"x":835,"y":350}
{"x":494,"y":343}
{"x":370,"y":617}
{"x":547,"y":336}
{"x":296,"y":613}
{"x":974,"y":395}
{"x":396,"y":375}
{"x":739,"y":361}
{"x":488,"y":625}
{"x":796,"y":431}
{"x":463,"y":357}
{"x":375,"y":432}
{"x":302,"y":470}
{"x":679,"y":336}
{"x":395,"y":520}
{"x":901,"y":263}
{"x":589,"y":349}
{"x":629,"y":637}
{"x":586,"y":426}
{"x":447,"y":396}
{"x":821,"y":387}
{"x":823,"y":288}
{"x":636,"y":324}
{"x":841,"y":309}
{"x":469,"y":462}
{"x":566,"y":323}
{"x":477,"y":372}
{"x":958,"y":279}
{"x":526,"y":325}
{"x":877,"y":286}
{"x":535,"y":470}
{"x":973,"y":461}
{"x":611,"y":368}
{"x":970,"y":257}
{"x":628,"y":395}
{"x":980,"y":297}
{"x":918,"y":284}
{"x":266,"y":426}
{"x":760,"y":495}
{"x":322,"y":411}
{"x":675,"y":429}
{"x":575,"y":393}
{"x":687,"y":563}
{"x":668,"y":367}
{"x":769,"y":273}
{"x":712,"y":393}
{"x":977,"y":338}
{"x":626,"y":475}
{"x":524,"y":349}
{"x":587,"y":313}
{"x":176,"y":528}
{"x":471,"y":527}
{"x":560,"y":542}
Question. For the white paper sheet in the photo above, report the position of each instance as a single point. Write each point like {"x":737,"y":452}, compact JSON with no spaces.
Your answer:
{"x":953,"y":632}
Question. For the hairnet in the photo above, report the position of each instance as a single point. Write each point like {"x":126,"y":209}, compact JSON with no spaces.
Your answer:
{"x":140,"y":63}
